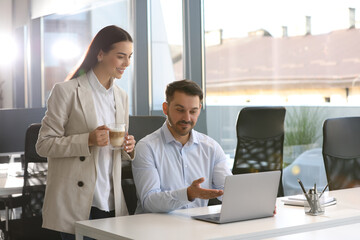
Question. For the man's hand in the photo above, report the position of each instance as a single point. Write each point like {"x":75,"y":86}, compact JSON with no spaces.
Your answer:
{"x":99,"y":137}
{"x":195,"y":191}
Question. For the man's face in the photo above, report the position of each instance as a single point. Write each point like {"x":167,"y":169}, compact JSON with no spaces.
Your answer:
{"x":182,"y":112}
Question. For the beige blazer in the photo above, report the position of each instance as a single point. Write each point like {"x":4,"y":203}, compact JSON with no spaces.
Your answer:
{"x":72,"y":164}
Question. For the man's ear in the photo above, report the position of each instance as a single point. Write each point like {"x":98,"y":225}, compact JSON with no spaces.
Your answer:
{"x":165,"y":107}
{"x":200,"y":107}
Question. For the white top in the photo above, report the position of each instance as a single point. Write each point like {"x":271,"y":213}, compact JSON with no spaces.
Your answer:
{"x":179,"y":224}
{"x":104,"y":102}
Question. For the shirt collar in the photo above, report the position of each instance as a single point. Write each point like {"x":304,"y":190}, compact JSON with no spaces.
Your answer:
{"x":96,"y":85}
{"x":170,"y":138}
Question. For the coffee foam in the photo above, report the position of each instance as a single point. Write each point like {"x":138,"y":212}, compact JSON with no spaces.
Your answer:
{"x":118,"y":129}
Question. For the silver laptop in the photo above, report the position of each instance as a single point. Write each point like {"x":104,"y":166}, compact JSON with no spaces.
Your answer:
{"x":246,"y":196}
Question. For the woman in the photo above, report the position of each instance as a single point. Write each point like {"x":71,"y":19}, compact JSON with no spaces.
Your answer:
{"x":84,"y":174}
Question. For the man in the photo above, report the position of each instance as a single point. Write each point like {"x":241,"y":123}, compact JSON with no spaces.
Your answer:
{"x":176,"y":166}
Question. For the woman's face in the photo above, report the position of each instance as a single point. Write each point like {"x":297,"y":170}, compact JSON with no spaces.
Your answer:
{"x":114,"y":62}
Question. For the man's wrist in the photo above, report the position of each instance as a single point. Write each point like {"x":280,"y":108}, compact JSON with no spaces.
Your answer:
{"x":189,"y":194}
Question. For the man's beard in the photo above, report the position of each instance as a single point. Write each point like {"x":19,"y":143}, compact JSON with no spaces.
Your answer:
{"x":177,"y":128}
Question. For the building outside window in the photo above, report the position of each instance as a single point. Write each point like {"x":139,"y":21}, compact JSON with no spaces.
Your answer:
{"x":299,"y":54}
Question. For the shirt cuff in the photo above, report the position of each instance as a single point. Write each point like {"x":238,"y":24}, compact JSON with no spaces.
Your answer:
{"x":181,"y":195}
{"x":84,"y":146}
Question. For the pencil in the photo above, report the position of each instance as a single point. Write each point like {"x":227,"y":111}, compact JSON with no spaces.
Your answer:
{"x":306,"y":195}
{"x":323,"y":190}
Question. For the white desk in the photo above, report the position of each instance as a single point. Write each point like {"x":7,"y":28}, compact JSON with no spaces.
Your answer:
{"x":9,"y":182}
{"x":179,"y":225}
{"x":345,"y":232}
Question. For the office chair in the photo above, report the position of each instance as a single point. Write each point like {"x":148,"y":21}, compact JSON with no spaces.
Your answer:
{"x":31,"y":200}
{"x":139,"y":127}
{"x":260,"y":139}
{"x":341,"y":152}
{"x":34,"y":176}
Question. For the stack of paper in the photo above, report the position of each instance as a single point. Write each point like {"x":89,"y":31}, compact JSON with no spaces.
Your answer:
{"x":299,"y":200}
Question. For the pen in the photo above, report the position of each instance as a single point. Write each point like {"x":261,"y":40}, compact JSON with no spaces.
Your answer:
{"x":306,"y":195}
{"x":302,"y":187}
{"x":323,"y":190}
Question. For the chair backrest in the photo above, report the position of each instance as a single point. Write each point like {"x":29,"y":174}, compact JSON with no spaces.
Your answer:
{"x":260,"y":140}
{"x":35,"y":169}
{"x":341,"y":152}
{"x":139,"y":127}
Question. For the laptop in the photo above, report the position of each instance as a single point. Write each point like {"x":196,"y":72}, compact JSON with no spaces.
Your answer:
{"x":246,"y":196}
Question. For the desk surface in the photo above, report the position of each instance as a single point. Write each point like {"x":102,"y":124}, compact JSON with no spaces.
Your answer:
{"x":9,"y":182}
{"x":12,"y":180}
{"x":348,"y":232}
{"x":179,"y":225}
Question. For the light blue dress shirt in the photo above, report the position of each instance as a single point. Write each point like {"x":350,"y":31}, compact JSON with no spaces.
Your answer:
{"x":163,"y":169}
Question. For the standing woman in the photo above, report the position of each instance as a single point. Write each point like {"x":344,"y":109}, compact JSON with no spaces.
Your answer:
{"x":84,"y":174}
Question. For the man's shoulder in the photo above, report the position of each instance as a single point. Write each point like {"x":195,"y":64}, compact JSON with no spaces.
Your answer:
{"x":205,"y":139}
{"x":151,"y":139}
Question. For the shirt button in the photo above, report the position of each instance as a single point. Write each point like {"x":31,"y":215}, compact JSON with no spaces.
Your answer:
{"x":82,"y":158}
{"x":80,"y":183}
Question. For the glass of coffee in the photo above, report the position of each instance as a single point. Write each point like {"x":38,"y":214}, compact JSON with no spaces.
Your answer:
{"x":116,"y":135}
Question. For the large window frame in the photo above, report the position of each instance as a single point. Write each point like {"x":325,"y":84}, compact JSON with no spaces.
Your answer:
{"x":193,"y":39}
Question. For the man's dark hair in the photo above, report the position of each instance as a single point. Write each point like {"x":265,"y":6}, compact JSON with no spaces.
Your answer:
{"x":186,"y":86}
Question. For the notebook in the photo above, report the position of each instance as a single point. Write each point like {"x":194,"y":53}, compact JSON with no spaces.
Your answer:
{"x":246,"y":196}
{"x":299,"y":200}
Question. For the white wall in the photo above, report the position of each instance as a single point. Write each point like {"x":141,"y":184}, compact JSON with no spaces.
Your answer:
{"x":21,"y":13}
{"x":41,"y":8}
{"x":5,"y":69}
{"x":18,"y":13}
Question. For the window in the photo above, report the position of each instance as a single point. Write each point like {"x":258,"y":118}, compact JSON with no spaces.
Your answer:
{"x":299,"y":54}
{"x":166,"y":47}
{"x":67,"y":36}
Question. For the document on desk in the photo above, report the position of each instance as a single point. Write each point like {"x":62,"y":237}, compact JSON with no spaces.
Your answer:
{"x":299,"y":200}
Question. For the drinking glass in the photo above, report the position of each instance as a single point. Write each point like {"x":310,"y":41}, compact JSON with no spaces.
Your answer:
{"x":117,"y":135}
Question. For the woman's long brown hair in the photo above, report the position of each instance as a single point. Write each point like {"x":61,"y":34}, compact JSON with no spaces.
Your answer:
{"x":103,"y":40}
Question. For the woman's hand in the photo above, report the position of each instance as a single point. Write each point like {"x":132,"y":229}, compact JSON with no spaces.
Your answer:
{"x":129,"y":144}
{"x":99,"y":137}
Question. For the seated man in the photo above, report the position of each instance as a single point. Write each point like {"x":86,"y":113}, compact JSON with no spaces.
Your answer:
{"x":176,"y":166}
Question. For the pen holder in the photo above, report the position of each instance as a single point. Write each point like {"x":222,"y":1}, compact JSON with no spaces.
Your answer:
{"x":313,"y":205}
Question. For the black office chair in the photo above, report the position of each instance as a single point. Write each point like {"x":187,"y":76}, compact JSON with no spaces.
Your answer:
{"x":260,"y":139}
{"x":31,"y":201}
{"x":139,"y":127}
{"x":341,"y":152}
{"x":35,"y":175}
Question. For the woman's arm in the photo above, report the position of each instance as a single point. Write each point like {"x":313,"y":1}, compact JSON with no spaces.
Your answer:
{"x":52,"y":141}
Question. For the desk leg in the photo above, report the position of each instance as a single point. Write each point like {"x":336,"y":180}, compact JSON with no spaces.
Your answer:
{"x":6,"y":218}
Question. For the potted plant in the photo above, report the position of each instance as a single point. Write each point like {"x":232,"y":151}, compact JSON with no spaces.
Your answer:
{"x":302,"y":130}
